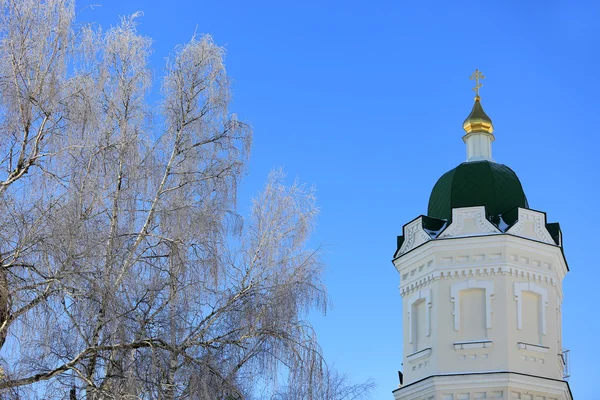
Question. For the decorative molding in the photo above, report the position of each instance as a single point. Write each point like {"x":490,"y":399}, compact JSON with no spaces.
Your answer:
{"x":537,"y":359}
{"x":473,"y":356}
{"x":521,"y":287}
{"x":416,"y":284}
{"x":539,"y":226}
{"x":420,"y":295}
{"x":414,"y":236}
{"x":472,"y":284}
{"x":473,"y":344}
{"x":493,"y":384}
{"x":531,"y":259}
{"x":532,"y":347}
{"x":459,"y":215}
{"x":471,"y":272}
{"x":419,"y":355}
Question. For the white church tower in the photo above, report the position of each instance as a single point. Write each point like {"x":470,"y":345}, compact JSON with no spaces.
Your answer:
{"x":481,"y":284}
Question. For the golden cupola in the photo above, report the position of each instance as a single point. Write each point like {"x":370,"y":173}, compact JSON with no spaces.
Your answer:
{"x":478,"y":121}
{"x":479,"y":127}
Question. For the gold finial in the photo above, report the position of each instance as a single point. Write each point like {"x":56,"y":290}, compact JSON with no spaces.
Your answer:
{"x":478,"y":121}
{"x":476,"y":76}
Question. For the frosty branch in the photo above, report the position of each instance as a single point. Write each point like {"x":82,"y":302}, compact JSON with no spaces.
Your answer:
{"x":125,"y":271}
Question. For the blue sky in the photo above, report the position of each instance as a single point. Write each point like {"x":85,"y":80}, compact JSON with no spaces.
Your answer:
{"x":365,"y":100}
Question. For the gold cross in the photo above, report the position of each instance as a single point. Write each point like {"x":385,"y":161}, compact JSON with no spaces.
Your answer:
{"x":476,"y":76}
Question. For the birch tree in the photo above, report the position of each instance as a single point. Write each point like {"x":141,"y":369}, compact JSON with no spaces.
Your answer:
{"x":125,"y":270}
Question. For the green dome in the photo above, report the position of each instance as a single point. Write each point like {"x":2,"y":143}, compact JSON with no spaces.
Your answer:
{"x":477,"y":183}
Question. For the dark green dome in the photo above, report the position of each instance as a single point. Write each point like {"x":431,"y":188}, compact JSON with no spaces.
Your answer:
{"x":477,"y":183}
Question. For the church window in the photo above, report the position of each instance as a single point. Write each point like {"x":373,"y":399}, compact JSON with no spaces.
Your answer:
{"x":419,"y":325}
{"x":419,"y":319}
{"x":472,"y":308}
{"x":472,"y":314}
{"x":532,"y":301}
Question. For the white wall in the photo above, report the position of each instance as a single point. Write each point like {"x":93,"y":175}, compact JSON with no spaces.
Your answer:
{"x":493,"y":301}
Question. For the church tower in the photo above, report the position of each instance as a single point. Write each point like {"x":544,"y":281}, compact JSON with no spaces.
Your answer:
{"x":481,"y":284}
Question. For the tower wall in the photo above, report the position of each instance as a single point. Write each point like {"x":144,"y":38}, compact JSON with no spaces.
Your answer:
{"x":481,"y":302}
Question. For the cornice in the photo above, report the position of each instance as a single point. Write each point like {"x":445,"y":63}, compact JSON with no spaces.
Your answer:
{"x":488,"y":380}
{"x":461,"y":273}
{"x":505,"y":244}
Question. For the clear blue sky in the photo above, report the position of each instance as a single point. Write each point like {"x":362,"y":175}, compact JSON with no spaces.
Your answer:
{"x":365,"y":100}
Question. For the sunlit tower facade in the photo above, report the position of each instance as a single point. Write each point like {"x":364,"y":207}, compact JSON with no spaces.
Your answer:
{"x":481,"y":284}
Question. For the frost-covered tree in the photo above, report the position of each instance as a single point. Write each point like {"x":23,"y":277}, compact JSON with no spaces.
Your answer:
{"x":125,"y":270}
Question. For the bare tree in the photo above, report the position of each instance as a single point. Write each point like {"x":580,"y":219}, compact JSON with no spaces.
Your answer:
{"x":329,"y":384}
{"x":125,"y":270}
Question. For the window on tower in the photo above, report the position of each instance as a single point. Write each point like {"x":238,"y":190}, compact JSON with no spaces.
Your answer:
{"x":419,"y":325}
{"x":472,"y":314}
{"x":532,"y":300}
{"x":472,"y":310}
{"x":532,"y":327}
